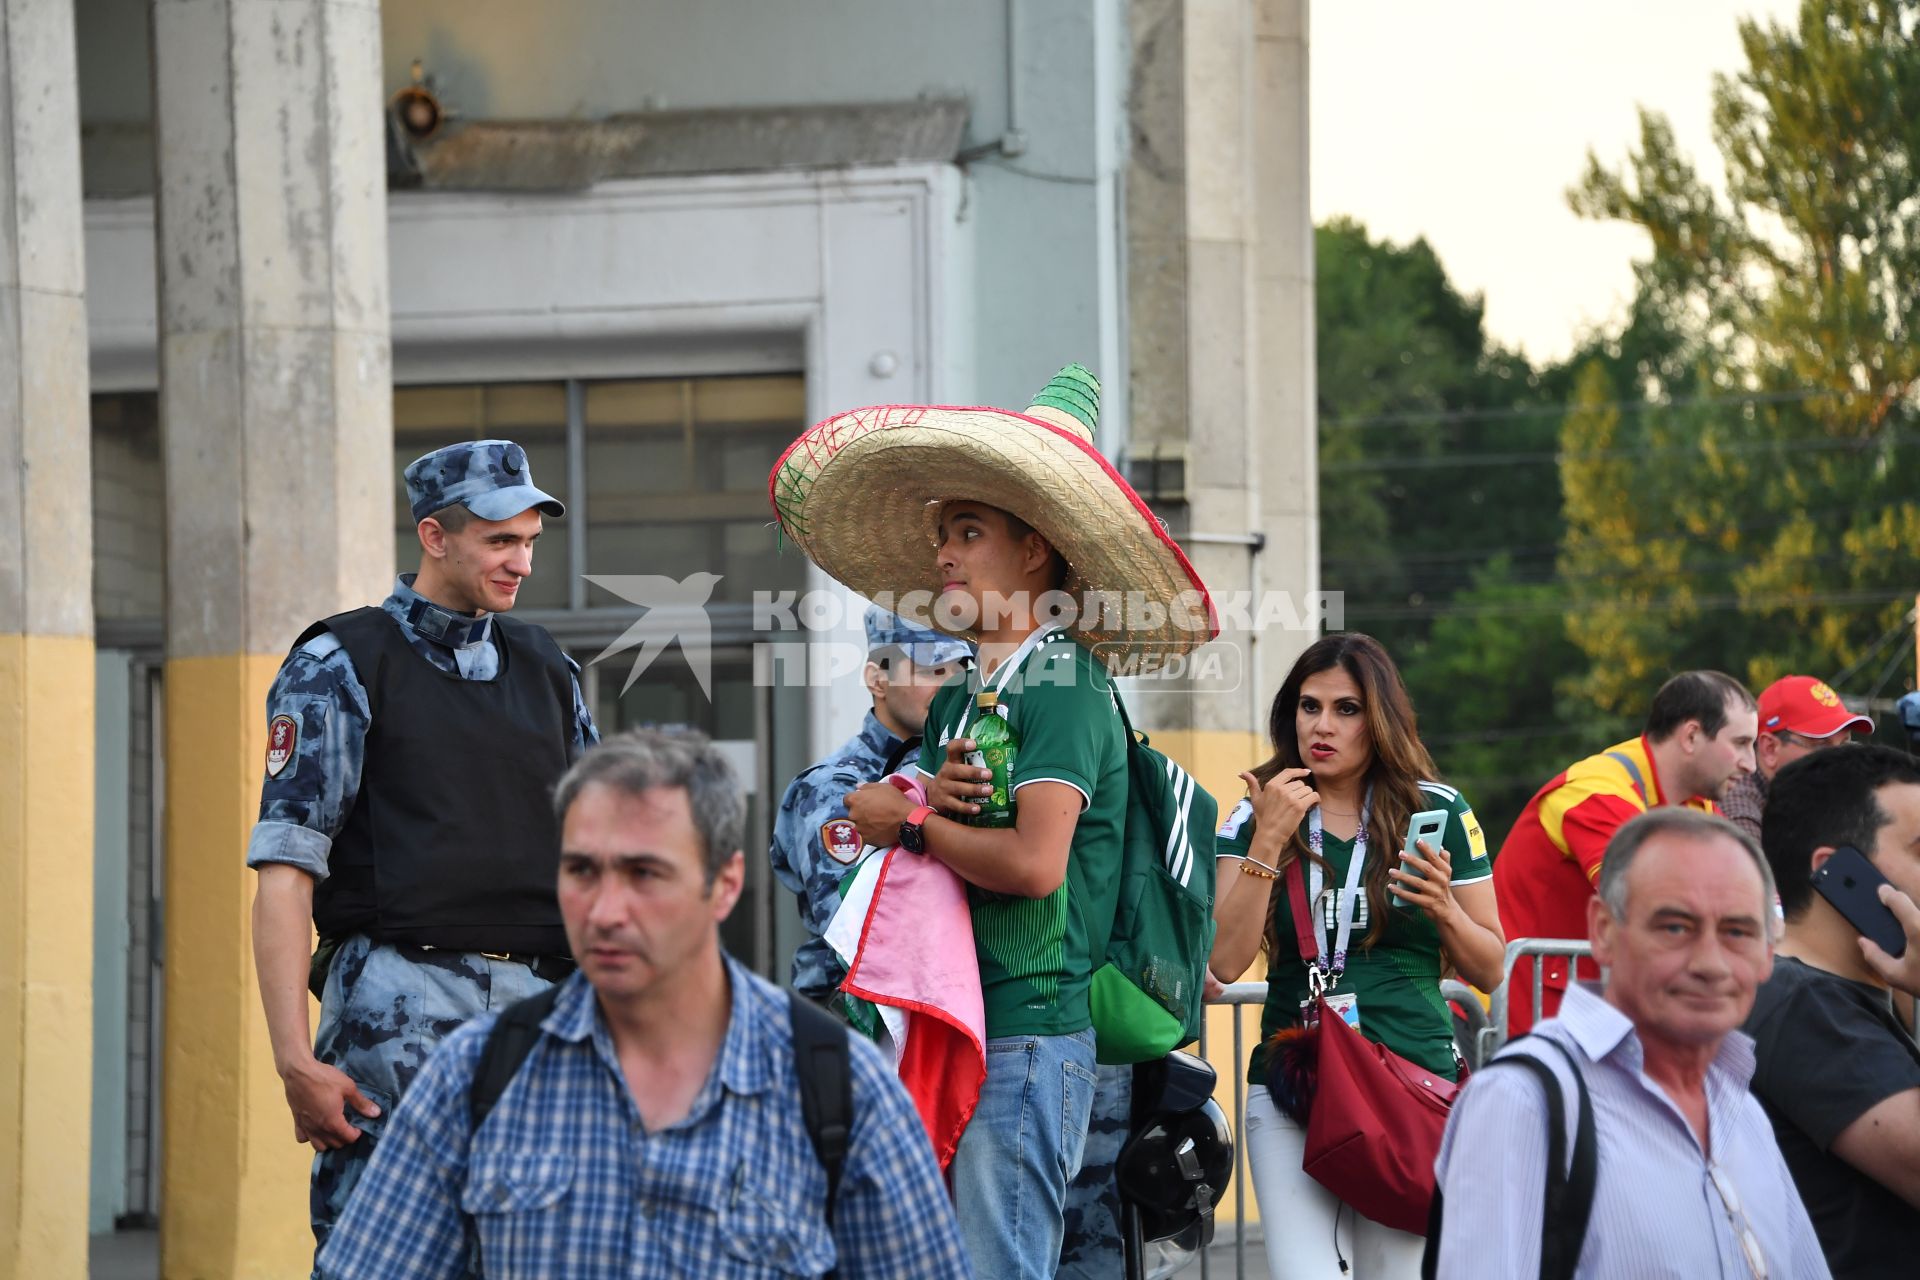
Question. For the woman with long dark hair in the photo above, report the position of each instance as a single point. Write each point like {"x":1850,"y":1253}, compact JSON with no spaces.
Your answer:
{"x":1347,"y":773}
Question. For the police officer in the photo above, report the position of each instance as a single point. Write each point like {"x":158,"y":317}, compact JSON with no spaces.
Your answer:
{"x":814,"y":843}
{"x":1091,"y":1244}
{"x":405,"y":812}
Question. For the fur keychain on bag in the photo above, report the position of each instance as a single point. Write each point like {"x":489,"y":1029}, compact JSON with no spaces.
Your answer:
{"x":1293,"y":1070}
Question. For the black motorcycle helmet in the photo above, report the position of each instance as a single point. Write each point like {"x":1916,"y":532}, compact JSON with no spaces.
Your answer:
{"x":1175,"y":1166}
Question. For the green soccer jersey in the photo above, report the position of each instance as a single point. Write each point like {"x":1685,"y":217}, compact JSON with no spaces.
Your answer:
{"x":1397,"y":980}
{"x":1037,"y":955}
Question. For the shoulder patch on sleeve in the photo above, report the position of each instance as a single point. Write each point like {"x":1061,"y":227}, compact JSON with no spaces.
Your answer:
{"x":841,"y":839}
{"x":1236,"y":818}
{"x":283,"y":745}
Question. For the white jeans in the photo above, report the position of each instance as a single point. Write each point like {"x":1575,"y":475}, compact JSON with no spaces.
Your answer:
{"x":1308,"y":1230}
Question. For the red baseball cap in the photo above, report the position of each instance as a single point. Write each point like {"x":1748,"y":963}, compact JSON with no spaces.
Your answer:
{"x":1808,"y":707}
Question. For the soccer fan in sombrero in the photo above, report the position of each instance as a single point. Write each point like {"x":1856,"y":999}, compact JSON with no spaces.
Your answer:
{"x":1030,"y":544}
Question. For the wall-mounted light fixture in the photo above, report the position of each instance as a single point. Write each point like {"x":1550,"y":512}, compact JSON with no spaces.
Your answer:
{"x":416,"y":109}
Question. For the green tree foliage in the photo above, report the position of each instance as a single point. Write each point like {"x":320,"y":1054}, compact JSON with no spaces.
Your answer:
{"x":1446,"y":558}
{"x":1409,"y":386}
{"x":1764,"y":520}
{"x":1484,"y":683}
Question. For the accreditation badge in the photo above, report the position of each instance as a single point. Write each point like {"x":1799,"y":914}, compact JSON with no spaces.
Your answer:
{"x":1345,"y":1003}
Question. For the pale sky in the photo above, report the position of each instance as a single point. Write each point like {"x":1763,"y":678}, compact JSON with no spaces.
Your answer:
{"x":1467,"y":121}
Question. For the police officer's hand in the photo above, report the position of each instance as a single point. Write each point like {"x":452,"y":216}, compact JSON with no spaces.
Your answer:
{"x":878,"y":809}
{"x":952,"y":790}
{"x":319,"y":1095}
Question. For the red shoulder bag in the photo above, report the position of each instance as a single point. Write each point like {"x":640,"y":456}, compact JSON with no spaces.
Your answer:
{"x":1374,"y":1120}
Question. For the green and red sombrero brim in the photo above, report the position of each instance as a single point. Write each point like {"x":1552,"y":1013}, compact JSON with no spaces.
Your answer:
{"x":861,"y":492}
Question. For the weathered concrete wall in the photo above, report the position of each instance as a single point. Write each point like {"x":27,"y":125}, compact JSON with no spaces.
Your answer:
{"x":1045,"y":221}
{"x":277,"y":406}
{"x":46,"y":656}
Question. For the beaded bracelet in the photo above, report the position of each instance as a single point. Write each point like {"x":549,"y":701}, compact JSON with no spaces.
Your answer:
{"x":1255,"y":867}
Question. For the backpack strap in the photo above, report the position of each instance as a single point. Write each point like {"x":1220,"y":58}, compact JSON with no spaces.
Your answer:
{"x":1134,"y":738}
{"x":508,"y":1045}
{"x":821,"y":1057}
{"x":824,"y":1062}
{"x":909,"y":747}
{"x":1567,"y":1205}
{"x":1633,"y":776}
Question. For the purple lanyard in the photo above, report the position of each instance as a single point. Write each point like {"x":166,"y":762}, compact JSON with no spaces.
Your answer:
{"x":1329,"y":966}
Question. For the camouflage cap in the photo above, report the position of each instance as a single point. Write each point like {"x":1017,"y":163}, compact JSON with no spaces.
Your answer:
{"x":491,"y":478}
{"x":925,"y":646}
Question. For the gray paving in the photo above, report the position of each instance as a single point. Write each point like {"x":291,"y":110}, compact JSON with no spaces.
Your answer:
{"x":135,"y":1255}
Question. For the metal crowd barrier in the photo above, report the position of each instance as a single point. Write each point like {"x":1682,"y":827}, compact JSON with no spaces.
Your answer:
{"x":1467,"y":1000}
{"x":1494,"y":1034}
{"x":1487,"y":1031}
{"x":1235,"y":1068}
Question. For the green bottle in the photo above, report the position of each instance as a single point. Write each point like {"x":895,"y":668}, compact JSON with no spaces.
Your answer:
{"x":995,"y":745}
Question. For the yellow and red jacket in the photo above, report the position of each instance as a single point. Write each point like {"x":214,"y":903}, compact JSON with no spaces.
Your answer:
{"x":1545,"y":873}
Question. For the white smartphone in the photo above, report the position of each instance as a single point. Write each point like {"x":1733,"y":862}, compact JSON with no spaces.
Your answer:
{"x":1428,"y":825}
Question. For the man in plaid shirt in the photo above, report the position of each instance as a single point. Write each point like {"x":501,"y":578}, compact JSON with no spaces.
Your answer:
{"x":655,"y":1129}
{"x":1799,"y":715}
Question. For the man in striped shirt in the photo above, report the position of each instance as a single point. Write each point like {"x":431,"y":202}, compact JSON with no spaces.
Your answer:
{"x":1690,"y":1181}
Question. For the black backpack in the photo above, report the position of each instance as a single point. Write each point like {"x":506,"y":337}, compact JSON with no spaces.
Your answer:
{"x":821,"y":1057}
{"x":1568,"y":1202}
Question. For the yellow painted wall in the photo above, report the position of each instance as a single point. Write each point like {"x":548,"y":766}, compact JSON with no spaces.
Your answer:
{"x":235,"y":1194}
{"x":46,"y":953}
{"x":1216,"y":759}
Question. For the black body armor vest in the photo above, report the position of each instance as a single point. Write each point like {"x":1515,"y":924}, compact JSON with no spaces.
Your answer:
{"x":451,"y":841}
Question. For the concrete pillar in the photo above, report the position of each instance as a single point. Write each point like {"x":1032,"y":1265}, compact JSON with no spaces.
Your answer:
{"x":276,"y":395}
{"x":1221,"y":322}
{"x":46,"y":654}
{"x":1284,"y":396}
{"x":1220,"y":309}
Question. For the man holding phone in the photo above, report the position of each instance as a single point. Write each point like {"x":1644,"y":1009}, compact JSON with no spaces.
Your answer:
{"x":1836,"y":1072}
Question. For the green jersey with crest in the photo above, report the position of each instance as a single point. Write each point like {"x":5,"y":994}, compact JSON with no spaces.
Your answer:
{"x":1037,"y":955}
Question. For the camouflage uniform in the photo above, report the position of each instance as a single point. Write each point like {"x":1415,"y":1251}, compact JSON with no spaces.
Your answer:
{"x":814,"y":843}
{"x":1093,"y":1248}
{"x":813,"y":810}
{"x":385,"y":1008}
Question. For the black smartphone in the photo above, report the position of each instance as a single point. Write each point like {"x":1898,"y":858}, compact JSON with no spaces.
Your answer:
{"x":1852,"y":884}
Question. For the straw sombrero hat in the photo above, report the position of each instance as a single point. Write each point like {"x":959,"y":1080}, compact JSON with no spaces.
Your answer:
{"x":861,"y":494}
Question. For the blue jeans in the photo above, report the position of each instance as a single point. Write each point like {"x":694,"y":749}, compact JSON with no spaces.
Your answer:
{"x":1022,"y":1148}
